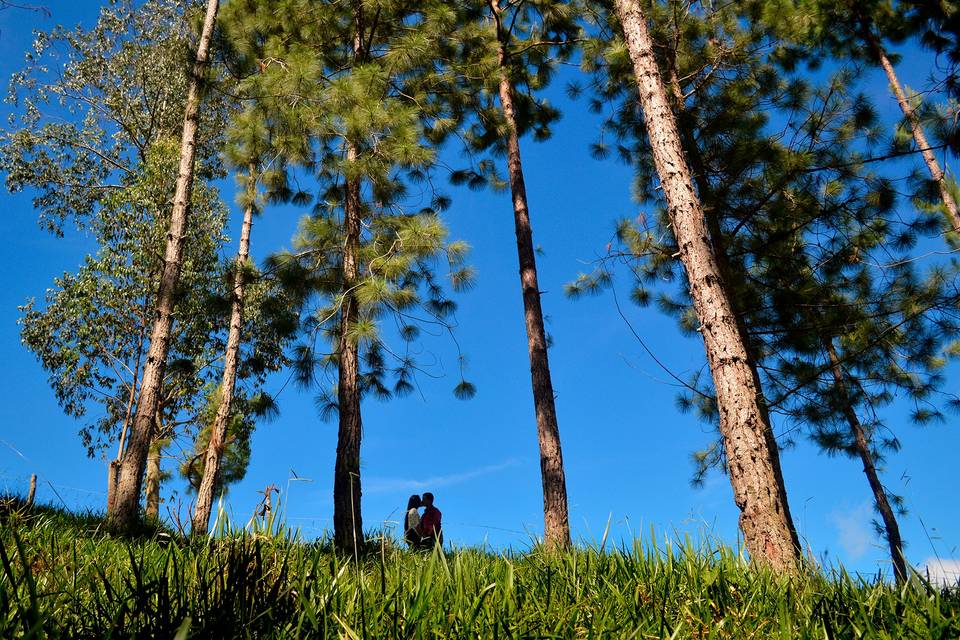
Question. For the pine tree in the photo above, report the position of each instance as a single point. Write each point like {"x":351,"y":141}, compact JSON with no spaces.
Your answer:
{"x":752,"y":462}
{"x":375,"y":113}
{"x":509,"y":51}
{"x":780,"y":203}
{"x":249,"y":142}
{"x":843,"y":29}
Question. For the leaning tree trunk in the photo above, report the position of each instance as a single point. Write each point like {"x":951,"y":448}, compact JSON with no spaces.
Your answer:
{"x":126,"y":504}
{"x":862,"y":446}
{"x":347,"y":520}
{"x":757,"y":486}
{"x":556,"y":525}
{"x":916,"y":128}
{"x":731,"y":277}
{"x":152,"y":489}
{"x":218,"y":432}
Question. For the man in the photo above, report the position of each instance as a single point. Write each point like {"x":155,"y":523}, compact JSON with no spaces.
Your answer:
{"x":431,"y":529}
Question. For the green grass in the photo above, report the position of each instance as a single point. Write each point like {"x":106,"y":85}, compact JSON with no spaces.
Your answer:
{"x":62,"y":577}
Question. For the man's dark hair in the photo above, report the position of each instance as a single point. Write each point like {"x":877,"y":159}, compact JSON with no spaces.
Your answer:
{"x":427,"y":498}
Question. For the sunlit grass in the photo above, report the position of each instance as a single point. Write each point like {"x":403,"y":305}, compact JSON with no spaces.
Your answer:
{"x":62,"y":576}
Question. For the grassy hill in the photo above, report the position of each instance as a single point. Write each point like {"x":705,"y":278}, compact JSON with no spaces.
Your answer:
{"x":62,"y":577}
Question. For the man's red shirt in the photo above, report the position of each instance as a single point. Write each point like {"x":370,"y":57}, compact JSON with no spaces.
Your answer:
{"x":430,"y":522}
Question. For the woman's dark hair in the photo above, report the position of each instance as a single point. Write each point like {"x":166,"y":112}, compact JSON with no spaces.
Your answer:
{"x":412,"y":503}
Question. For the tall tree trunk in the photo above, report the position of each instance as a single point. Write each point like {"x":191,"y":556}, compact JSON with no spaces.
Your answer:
{"x":731,"y":277}
{"x":152,"y":489}
{"x":126,"y":504}
{"x":916,"y":128}
{"x":113,"y":469}
{"x":218,"y":432}
{"x":862,"y":446}
{"x":347,"y":519}
{"x":556,"y":524}
{"x":757,"y":487}
{"x":347,"y":514}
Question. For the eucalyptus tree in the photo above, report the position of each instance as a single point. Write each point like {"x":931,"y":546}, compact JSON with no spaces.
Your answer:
{"x":507,"y":52}
{"x":90,"y":333}
{"x":356,"y":102}
{"x":125,"y":506}
{"x":95,"y":116}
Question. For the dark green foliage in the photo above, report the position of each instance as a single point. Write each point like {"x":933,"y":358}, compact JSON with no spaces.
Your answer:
{"x":60,"y":577}
{"x":318,"y":95}
{"x":815,"y":240}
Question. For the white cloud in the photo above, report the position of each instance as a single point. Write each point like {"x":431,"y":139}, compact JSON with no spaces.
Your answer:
{"x":944,"y":572}
{"x":855,"y":530}
{"x":393,"y":485}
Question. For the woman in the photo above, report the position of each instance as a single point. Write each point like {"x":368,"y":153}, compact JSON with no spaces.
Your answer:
{"x":411,"y":522}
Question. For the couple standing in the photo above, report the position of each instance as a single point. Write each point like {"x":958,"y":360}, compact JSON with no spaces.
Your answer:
{"x":422,"y":531}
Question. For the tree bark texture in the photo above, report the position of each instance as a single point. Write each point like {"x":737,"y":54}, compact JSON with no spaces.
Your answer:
{"x":916,"y":127}
{"x":757,"y":487}
{"x":125,"y":512}
{"x":556,"y":525}
{"x":152,"y":510}
{"x":218,"y":431}
{"x":113,"y":473}
{"x":347,"y":519}
{"x":731,"y":277}
{"x":862,"y":446}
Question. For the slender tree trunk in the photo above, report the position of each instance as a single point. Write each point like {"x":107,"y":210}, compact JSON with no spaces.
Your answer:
{"x":757,"y":487}
{"x":125,"y":513}
{"x":732,"y":277}
{"x":152,"y":510}
{"x":862,"y":446}
{"x":113,"y":469}
{"x":347,"y":514}
{"x":916,"y":128}
{"x":556,"y":525}
{"x":347,"y":519}
{"x":218,"y":432}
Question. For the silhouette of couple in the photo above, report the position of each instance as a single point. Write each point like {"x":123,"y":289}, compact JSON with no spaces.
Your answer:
{"x":422,"y":531}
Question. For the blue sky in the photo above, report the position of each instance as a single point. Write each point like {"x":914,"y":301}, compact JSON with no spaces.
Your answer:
{"x":626,"y":447}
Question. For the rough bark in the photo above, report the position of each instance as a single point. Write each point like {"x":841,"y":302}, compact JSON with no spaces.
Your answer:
{"x":556,"y":526}
{"x":862,"y":446}
{"x":125,"y":512}
{"x":347,"y":520}
{"x":152,"y":490}
{"x":757,"y":487}
{"x":732,"y":278}
{"x":218,"y":431}
{"x":916,"y":127}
